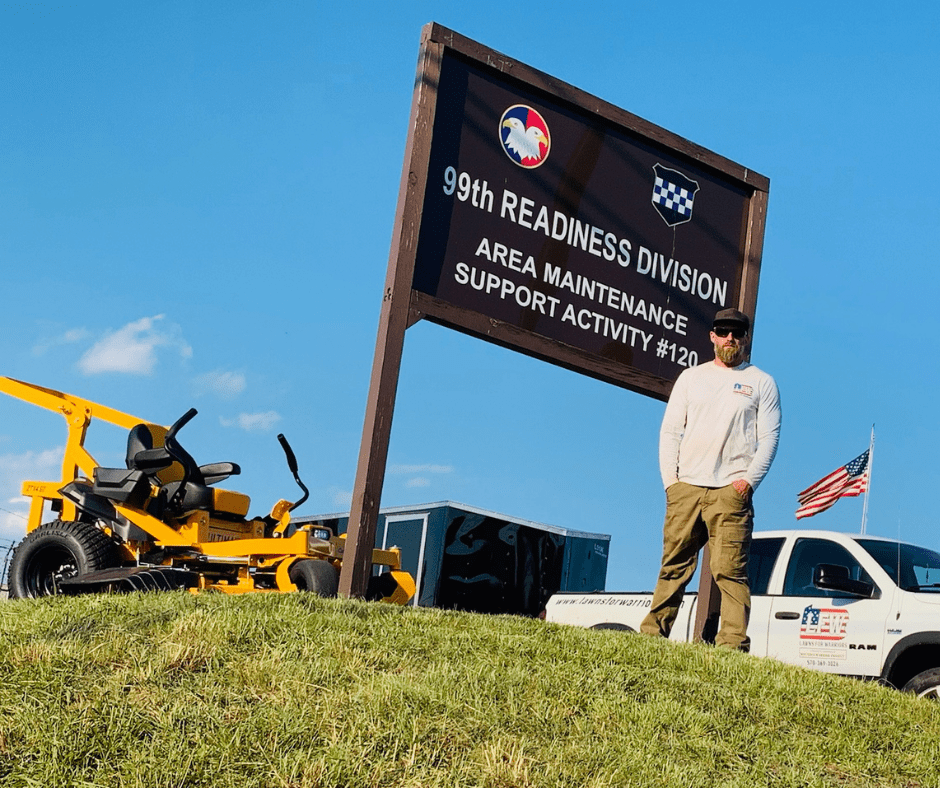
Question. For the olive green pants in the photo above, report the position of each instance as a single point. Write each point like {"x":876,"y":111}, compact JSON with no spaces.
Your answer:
{"x":696,"y":516}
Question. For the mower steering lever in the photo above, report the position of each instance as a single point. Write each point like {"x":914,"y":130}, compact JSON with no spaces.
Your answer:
{"x":292,"y":464}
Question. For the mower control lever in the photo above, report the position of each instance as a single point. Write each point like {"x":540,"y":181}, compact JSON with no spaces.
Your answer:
{"x":292,"y":464}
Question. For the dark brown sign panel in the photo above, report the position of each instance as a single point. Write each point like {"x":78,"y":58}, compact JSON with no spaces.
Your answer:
{"x":612,"y":242}
{"x":538,"y":217}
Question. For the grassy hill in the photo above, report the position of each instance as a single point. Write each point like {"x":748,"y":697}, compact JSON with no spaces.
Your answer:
{"x":289,"y":691}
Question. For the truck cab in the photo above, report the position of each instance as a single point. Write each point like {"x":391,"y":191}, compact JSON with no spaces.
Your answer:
{"x":847,"y":604}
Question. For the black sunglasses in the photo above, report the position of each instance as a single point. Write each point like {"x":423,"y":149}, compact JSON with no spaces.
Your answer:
{"x":737,"y":333}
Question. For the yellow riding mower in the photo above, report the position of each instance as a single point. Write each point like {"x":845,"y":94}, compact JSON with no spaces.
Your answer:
{"x":160,"y":523}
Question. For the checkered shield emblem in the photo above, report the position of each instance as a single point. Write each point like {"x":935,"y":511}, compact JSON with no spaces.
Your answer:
{"x":673,"y":195}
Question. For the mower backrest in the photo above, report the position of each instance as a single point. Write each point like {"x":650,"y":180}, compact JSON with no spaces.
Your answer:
{"x":145,"y":452}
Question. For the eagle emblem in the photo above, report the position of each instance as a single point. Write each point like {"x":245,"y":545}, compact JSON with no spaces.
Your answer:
{"x":524,"y":135}
{"x":673,"y":195}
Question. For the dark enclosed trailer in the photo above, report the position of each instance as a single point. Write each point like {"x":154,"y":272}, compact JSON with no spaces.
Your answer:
{"x":467,"y":558}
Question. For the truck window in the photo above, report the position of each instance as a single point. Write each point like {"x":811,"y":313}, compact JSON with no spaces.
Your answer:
{"x":918,"y":567}
{"x":807,"y":555}
{"x":764,"y":554}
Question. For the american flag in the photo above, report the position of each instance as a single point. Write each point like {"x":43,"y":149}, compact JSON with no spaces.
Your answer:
{"x":848,"y":481}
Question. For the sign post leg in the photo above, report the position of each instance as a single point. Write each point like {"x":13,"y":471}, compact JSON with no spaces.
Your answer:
{"x":394,"y":319}
{"x":373,"y":452}
{"x":709,"y":603}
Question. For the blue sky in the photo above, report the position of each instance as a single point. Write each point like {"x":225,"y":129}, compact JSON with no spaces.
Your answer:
{"x":196,"y":206}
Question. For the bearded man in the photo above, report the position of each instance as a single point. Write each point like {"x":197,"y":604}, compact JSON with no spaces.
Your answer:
{"x":718,"y":439}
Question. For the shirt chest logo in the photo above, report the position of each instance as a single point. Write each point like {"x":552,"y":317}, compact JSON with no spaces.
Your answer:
{"x":741,"y":388}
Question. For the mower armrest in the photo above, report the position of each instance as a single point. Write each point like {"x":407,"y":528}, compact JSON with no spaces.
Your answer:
{"x":150,"y":460}
{"x":218,"y":471}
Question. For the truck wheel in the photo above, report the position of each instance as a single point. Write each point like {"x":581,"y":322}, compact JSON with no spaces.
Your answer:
{"x":316,"y":576}
{"x":925,"y":685}
{"x":56,"y":550}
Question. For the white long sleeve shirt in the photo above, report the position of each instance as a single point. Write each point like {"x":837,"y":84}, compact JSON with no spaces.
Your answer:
{"x":721,"y":424}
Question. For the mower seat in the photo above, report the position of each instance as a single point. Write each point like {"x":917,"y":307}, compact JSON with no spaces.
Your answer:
{"x":225,"y":504}
{"x":146,"y":452}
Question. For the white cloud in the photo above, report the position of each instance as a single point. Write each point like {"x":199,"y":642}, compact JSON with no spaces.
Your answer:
{"x":253,"y":422}
{"x":417,"y":473}
{"x":32,"y":462}
{"x":342,"y":499}
{"x":12,"y":522}
{"x":227,"y":385}
{"x":74,"y":335}
{"x":133,"y":348}
{"x":69,"y":337}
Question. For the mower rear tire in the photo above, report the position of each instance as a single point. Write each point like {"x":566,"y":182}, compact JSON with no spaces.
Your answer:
{"x":316,"y":576}
{"x":57,"y":550}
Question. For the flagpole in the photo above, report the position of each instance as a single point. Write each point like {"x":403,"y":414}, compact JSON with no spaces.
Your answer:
{"x":871,"y":460}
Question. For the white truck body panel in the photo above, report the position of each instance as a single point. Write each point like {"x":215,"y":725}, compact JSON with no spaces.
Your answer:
{"x":894,"y":634}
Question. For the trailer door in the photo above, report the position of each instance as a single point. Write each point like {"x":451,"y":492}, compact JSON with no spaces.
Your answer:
{"x":409,"y":533}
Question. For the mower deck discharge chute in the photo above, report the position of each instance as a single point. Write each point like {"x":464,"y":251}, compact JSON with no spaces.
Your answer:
{"x":159,"y":523}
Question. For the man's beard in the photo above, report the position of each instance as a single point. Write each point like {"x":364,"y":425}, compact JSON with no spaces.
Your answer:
{"x":730,"y":355}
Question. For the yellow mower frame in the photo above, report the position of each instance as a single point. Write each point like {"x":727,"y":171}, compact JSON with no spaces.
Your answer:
{"x":213,"y":547}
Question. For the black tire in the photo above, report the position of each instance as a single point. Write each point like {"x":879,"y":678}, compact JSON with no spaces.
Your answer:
{"x":925,"y":685}
{"x":56,"y":550}
{"x":614,"y":626}
{"x":316,"y":576}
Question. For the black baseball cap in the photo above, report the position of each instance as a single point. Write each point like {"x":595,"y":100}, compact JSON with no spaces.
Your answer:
{"x":732,"y":317}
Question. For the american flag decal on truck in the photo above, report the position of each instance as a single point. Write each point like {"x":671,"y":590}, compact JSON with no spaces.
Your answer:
{"x":824,"y":623}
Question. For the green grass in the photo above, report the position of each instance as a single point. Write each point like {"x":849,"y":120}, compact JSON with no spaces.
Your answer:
{"x":267,"y":690}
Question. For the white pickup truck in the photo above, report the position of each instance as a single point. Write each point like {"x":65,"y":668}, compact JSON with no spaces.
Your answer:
{"x":848,"y":604}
